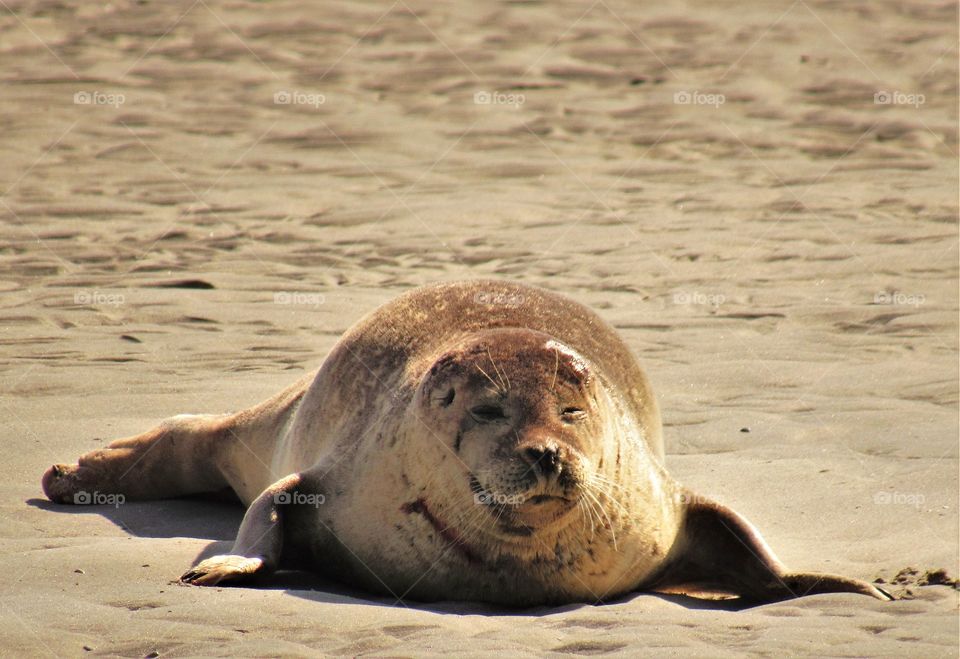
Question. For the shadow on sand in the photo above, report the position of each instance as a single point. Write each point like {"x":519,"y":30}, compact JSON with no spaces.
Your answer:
{"x":218,"y":521}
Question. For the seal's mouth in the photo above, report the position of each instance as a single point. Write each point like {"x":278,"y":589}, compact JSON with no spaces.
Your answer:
{"x":522,"y":513}
{"x":515,"y":500}
{"x":544,"y":498}
{"x":522,"y":517}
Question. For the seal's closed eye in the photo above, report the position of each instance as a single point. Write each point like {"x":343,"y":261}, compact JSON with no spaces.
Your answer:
{"x":571,"y":414}
{"x":488,"y":413}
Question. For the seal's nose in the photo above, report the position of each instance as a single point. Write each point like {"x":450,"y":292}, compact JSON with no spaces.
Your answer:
{"x":543,"y":459}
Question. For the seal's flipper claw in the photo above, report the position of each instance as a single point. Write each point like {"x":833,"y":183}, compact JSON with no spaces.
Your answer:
{"x":226,"y":568}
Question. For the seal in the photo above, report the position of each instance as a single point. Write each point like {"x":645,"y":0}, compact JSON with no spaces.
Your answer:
{"x":479,"y":440}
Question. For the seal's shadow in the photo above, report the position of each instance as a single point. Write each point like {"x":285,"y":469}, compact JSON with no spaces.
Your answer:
{"x":336,"y":592}
{"x":192,"y":517}
{"x":218,"y":521}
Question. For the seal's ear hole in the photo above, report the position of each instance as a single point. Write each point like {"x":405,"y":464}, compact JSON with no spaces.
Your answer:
{"x":448,"y":399}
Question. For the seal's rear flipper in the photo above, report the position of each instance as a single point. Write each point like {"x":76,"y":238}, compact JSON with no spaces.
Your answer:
{"x":185,"y":455}
{"x":173,"y":459}
{"x":718,"y":552}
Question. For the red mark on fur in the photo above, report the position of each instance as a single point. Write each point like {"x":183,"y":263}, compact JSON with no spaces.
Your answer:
{"x":449,"y":534}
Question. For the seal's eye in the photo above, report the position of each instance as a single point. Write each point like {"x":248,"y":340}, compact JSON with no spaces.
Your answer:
{"x":571,"y":414}
{"x":487,"y":413}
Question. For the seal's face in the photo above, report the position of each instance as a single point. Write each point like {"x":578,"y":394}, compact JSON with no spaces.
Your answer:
{"x":520,"y":412}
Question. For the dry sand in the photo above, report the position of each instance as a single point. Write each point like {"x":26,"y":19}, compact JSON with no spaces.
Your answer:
{"x":781,"y":252}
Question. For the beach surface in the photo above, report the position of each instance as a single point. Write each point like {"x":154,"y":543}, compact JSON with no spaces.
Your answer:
{"x":198,"y":198}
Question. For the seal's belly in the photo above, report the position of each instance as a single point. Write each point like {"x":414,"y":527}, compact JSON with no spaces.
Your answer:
{"x":407,"y":555}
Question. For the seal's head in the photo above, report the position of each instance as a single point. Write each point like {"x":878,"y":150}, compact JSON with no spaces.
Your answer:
{"x":520,"y":411}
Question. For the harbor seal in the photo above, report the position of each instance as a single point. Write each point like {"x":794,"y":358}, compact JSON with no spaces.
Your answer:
{"x":480,"y":440}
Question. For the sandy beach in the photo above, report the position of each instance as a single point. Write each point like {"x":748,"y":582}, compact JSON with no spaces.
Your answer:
{"x":198,"y":198}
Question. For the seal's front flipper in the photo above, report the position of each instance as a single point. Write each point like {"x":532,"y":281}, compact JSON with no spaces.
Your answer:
{"x":718,"y":552}
{"x":256,"y":551}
